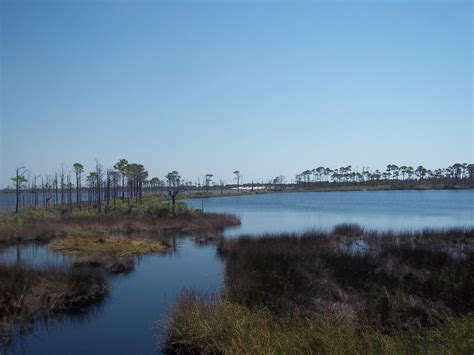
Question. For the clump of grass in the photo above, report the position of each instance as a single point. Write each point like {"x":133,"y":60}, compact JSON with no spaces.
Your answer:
{"x":118,"y":246}
{"x":348,"y":229}
{"x":200,"y":325}
{"x":27,"y":294}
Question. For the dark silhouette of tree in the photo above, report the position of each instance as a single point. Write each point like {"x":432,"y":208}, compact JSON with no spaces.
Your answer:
{"x":99,"y":176}
{"x":91,"y":183}
{"x":238,"y":176}
{"x":208,"y":181}
{"x":35,"y":190}
{"x":136,"y":175}
{"x":420,"y":172}
{"x":69,"y":189}
{"x":78,"y":170}
{"x":18,"y":182}
{"x":457,"y":169}
{"x":62,"y":177}
{"x":56,"y":191}
{"x":470,"y":169}
{"x":154,"y":183}
{"x":121,"y":167}
{"x":173,"y":178}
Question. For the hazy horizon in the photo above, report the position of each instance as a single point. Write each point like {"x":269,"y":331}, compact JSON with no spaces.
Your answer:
{"x":267,"y":88}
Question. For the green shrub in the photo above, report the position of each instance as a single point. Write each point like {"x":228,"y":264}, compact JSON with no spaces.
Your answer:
{"x":166,"y":209}
{"x":158,"y":211}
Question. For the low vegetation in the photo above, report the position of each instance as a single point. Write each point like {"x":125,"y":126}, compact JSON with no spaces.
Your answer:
{"x":151,"y":216}
{"x":346,"y":291}
{"x":107,"y":245}
{"x":28,"y":295}
{"x":114,"y":254}
{"x":200,"y":325}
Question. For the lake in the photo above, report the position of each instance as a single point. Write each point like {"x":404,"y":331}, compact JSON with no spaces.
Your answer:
{"x":125,"y":323}
{"x":381,"y":210}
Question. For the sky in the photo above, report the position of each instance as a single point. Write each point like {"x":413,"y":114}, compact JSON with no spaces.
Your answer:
{"x":265,"y":87}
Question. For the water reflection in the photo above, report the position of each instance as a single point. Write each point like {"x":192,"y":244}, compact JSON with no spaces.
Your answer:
{"x":126,"y":322}
{"x":33,"y":255}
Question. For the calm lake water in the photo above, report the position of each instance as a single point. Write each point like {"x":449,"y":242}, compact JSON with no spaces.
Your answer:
{"x":125,"y":323}
{"x":382,"y":210}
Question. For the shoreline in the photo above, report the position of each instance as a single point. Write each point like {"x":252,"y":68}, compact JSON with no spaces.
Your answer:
{"x":346,"y":188}
{"x":351,"y":188}
{"x":40,"y":225}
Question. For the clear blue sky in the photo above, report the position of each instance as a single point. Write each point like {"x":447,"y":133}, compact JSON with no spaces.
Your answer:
{"x":264,"y":87}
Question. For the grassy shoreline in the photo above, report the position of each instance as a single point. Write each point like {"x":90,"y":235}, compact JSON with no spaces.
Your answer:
{"x":28,"y":295}
{"x":323,"y":293}
{"x":153,"y":217}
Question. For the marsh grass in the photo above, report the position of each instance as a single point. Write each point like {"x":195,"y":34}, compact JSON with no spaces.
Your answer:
{"x":308,"y":293}
{"x":111,"y":253}
{"x":401,"y":282}
{"x":119,"y":246}
{"x":28,"y":295}
{"x":37,"y":224}
{"x":203,"y":325}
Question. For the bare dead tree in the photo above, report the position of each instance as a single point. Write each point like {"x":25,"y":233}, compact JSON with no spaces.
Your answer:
{"x":99,"y":177}
{"x":56,"y":192}
{"x":62,"y":177}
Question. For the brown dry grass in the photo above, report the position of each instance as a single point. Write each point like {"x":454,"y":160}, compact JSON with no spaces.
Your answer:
{"x":46,"y":226}
{"x":113,"y":254}
{"x":315,"y":293}
{"x":199,"y":325}
{"x":118,"y":246}
{"x":27,"y":294}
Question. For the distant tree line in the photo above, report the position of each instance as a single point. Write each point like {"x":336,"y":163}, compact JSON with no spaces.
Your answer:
{"x":101,"y":188}
{"x":454,"y":173}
